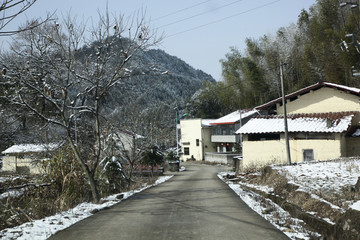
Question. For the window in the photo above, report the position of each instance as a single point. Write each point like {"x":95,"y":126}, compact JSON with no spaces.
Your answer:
{"x":197,"y":142}
{"x":308,"y":155}
{"x":264,"y":137}
{"x":186,"y":151}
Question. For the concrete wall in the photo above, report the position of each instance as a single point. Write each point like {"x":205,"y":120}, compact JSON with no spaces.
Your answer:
{"x":261,"y":153}
{"x":220,"y":158}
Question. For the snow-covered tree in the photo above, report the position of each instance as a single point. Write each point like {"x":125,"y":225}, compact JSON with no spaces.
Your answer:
{"x":65,"y":72}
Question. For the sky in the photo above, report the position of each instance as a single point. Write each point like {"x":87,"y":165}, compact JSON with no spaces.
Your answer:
{"x":200,"y":32}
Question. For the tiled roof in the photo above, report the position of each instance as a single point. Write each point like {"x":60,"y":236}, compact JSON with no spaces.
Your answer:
{"x":234,"y":117}
{"x":352,"y":90}
{"x":337,"y":122}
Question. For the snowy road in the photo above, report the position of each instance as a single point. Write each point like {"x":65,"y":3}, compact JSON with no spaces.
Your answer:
{"x":194,"y":204}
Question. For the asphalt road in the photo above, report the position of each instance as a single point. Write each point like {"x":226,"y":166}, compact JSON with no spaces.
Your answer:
{"x":194,"y":204}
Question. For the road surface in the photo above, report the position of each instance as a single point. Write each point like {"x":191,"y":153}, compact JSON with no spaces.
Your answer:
{"x":194,"y":204}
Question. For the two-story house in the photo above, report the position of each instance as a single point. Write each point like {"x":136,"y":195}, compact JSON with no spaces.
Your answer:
{"x":223,"y":131}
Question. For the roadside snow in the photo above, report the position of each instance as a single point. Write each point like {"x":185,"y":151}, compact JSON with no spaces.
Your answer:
{"x":272,"y":213}
{"x":44,"y":228}
{"x":311,"y":177}
{"x":356,"y":206}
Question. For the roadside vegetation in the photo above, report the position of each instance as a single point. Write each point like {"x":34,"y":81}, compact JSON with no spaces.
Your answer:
{"x":63,"y":185}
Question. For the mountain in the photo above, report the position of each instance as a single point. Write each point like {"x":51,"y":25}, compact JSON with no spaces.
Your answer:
{"x":173,"y":81}
{"x":146,"y":102}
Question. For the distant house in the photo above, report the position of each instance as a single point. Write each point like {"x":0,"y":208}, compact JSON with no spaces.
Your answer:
{"x":212,"y":140}
{"x":223,"y":129}
{"x":26,"y":158}
{"x":195,"y":139}
{"x":323,"y":123}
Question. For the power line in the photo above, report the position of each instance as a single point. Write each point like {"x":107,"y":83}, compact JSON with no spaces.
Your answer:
{"x":181,"y":10}
{"x":223,"y":19}
{"x":197,"y":15}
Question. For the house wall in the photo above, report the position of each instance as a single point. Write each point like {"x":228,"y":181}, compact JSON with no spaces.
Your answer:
{"x":9,"y":163}
{"x":190,"y":131}
{"x":22,"y":165}
{"x":208,"y":146}
{"x":322,"y":100}
{"x":261,"y":153}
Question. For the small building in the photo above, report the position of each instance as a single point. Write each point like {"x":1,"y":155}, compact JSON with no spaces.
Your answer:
{"x":26,"y":158}
{"x":322,"y":122}
{"x":223,"y":129}
{"x":195,"y":139}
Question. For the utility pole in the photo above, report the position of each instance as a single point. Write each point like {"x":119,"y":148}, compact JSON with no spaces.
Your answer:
{"x":176,"y":130}
{"x":285,"y":115}
{"x":240,"y":137}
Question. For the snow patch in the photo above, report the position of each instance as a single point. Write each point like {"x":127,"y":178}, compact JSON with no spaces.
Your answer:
{"x":294,"y":229}
{"x":356,"y":206}
{"x":44,"y":228}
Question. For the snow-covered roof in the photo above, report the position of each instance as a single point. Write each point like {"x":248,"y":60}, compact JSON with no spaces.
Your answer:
{"x":314,"y":122}
{"x":234,"y":117}
{"x":302,"y":91}
{"x":31,"y":148}
{"x":206,"y":122}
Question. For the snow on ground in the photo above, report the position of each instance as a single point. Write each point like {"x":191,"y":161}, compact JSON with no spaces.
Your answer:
{"x":356,"y":206}
{"x":11,"y":193}
{"x":44,"y":228}
{"x":271,"y":212}
{"x":311,"y":177}
{"x":329,"y":177}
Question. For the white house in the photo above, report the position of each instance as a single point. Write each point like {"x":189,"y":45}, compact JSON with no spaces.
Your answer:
{"x":26,"y":158}
{"x":195,"y":138}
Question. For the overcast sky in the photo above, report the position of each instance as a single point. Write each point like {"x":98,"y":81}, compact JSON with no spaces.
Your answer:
{"x":199,"y":32}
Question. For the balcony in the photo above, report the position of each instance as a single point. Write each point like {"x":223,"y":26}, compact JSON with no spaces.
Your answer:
{"x":224,"y":138}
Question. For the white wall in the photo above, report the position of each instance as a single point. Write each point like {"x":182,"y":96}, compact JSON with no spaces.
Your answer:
{"x":190,"y":131}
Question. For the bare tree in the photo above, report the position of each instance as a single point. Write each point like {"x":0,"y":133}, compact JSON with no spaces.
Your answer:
{"x":66,"y":72}
{"x":10,"y":9}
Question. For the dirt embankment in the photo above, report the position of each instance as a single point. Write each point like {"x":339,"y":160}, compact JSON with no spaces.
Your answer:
{"x":319,"y":215}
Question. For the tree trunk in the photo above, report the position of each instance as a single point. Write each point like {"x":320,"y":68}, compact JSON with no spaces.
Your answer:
{"x":90,"y":175}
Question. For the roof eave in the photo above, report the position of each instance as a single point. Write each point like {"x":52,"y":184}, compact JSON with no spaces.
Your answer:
{"x":223,"y":123}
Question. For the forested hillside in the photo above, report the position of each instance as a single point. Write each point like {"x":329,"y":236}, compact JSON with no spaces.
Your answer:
{"x":143,"y":102}
{"x":322,"y":46}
